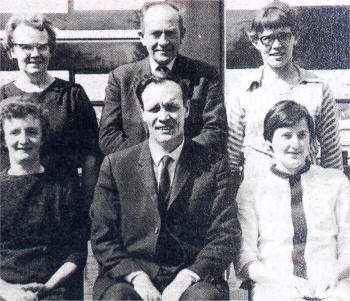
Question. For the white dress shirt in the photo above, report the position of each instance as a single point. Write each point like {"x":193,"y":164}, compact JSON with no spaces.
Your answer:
{"x":158,"y":154}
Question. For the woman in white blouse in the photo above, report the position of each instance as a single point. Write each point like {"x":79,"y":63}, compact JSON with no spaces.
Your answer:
{"x":296,"y":219}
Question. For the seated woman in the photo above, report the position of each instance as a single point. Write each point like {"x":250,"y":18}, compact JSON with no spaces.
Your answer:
{"x":296,"y":219}
{"x":43,"y":237}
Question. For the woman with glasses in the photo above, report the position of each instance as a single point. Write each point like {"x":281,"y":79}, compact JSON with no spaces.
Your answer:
{"x":72,"y":140}
{"x":273,"y":32}
{"x":296,"y":219}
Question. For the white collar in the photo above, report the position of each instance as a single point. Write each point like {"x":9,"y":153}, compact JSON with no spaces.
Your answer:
{"x":158,"y":153}
{"x":154,"y":64}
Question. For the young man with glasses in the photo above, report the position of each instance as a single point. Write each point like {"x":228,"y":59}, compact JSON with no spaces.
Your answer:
{"x":273,"y":33}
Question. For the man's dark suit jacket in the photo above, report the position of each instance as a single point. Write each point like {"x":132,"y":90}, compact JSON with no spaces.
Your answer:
{"x":121,"y":122}
{"x":201,"y":214}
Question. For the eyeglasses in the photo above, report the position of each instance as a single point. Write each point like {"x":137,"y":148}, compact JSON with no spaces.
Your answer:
{"x":28,"y":48}
{"x":282,"y":37}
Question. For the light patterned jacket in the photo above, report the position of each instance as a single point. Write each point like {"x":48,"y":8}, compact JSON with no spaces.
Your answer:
{"x":246,"y":112}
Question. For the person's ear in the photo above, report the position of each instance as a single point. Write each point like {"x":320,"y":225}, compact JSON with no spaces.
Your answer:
{"x":296,"y":40}
{"x":11,"y":53}
{"x":182,"y":33}
{"x":141,"y":36}
{"x":269,"y":145}
{"x":187,"y":108}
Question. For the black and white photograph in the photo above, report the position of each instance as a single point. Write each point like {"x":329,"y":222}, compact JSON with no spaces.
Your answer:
{"x":168,"y":150}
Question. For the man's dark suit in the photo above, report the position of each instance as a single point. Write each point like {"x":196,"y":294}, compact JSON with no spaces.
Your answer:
{"x":126,"y":222}
{"x":121,"y":123}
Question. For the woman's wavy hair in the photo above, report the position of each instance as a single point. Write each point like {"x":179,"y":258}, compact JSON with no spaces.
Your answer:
{"x":21,"y":107}
{"x":286,"y":113}
{"x":37,"y":21}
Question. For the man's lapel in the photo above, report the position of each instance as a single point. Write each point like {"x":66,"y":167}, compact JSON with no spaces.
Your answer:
{"x":182,"y":172}
{"x":146,"y":172}
{"x":140,"y":72}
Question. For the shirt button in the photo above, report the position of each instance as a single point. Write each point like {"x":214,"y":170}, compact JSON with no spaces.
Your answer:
{"x":156,"y":230}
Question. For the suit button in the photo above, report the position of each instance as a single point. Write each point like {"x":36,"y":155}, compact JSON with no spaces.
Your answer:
{"x":156,"y":230}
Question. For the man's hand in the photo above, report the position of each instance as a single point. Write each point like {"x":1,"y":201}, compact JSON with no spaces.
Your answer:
{"x":145,"y":288}
{"x":19,"y":292}
{"x":177,"y":287}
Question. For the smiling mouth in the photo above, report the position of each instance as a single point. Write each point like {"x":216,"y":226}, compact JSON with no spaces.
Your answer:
{"x":277,"y":54}
{"x":164,"y":128}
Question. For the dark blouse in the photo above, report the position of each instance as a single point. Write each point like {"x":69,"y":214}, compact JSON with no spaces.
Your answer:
{"x":73,"y":129}
{"x":42,"y":226}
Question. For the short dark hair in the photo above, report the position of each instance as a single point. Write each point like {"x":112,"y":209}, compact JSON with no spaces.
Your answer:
{"x":148,"y":5}
{"x":150,"y":78}
{"x":20,"y":107}
{"x":286,"y":113}
{"x":276,"y":14}
{"x":37,"y":21}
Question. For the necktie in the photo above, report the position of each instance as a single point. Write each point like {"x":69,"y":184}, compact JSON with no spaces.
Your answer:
{"x":298,"y":220}
{"x":164,"y":180}
{"x":162,"y":71}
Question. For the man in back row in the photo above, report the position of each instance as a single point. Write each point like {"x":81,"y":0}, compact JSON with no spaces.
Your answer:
{"x":164,"y":223}
{"x":162,"y":32}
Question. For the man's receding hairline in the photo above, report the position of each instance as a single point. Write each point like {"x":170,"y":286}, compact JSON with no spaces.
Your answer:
{"x":163,"y":4}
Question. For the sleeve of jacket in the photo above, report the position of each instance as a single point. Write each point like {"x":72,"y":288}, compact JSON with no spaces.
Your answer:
{"x":214,"y":131}
{"x":86,"y":126}
{"x":106,"y":239}
{"x":248,"y":220}
{"x":112,"y":136}
{"x":224,"y":233}
{"x":75,"y":221}
{"x":327,"y":131}
{"x":343,"y":222}
{"x":235,"y":120}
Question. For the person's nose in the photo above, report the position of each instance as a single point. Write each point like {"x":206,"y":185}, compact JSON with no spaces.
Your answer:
{"x":276,"y":43}
{"x":23,"y":138}
{"x":35,"y":52}
{"x":295,"y":142}
{"x":163,"y":115}
{"x":163,"y":40}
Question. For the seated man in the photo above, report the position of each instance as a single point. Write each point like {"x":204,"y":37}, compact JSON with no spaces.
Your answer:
{"x":164,"y":222}
{"x":162,"y":33}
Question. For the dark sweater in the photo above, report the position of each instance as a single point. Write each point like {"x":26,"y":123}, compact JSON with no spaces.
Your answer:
{"x":42,"y":226}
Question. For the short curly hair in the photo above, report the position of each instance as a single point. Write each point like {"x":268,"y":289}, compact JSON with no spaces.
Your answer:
{"x":37,"y":21}
{"x":21,"y":107}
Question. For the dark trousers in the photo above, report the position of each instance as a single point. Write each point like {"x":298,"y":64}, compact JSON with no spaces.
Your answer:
{"x":201,"y":290}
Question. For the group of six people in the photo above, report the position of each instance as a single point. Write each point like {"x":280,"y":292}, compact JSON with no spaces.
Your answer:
{"x":163,"y":211}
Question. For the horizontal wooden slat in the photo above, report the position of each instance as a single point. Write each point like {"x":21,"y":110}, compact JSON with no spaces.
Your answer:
{"x":94,"y":35}
{"x":85,"y":57}
{"x":89,"y":20}
{"x":258,"y":4}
